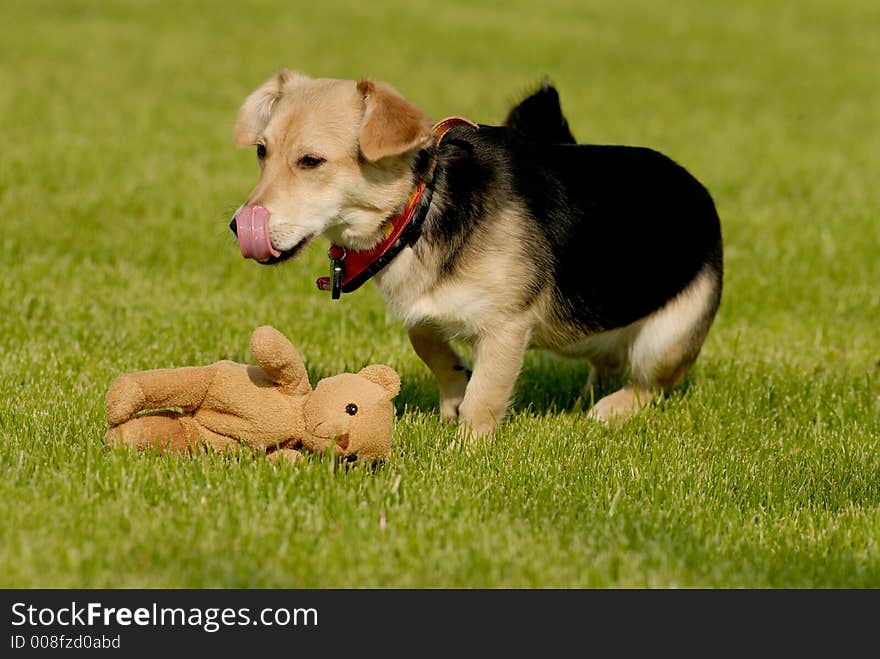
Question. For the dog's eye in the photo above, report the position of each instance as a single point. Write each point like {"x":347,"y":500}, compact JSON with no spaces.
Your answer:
{"x":310,"y":162}
{"x":351,"y":409}
{"x":261,"y":151}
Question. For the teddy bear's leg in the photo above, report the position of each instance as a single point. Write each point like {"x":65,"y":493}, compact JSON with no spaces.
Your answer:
{"x":163,"y":431}
{"x":183,"y":388}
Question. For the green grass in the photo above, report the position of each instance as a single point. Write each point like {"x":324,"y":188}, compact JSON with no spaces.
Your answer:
{"x":117,"y":178}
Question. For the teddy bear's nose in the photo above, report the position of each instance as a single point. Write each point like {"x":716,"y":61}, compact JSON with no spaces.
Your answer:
{"x":351,"y":458}
{"x":342,"y":441}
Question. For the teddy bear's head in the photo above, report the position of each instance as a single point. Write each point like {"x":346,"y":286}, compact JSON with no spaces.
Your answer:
{"x":353,"y":413}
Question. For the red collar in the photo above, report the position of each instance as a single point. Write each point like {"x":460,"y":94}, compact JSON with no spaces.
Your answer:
{"x":351,"y":268}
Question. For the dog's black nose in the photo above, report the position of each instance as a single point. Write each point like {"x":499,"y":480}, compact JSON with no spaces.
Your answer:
{"x":233,"y":226}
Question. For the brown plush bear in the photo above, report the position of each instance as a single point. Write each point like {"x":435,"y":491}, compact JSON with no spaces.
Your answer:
{"x":270,"y":407}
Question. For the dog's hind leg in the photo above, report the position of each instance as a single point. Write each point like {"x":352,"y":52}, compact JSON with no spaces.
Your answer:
{"x":665,"y":346}
{"x":447,"y":365}
{"x":624,"y":402}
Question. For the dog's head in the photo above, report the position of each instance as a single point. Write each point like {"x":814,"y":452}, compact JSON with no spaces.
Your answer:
{"x":335,"y":158}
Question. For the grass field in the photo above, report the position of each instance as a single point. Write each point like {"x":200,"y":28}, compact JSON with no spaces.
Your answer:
{"x":117,"y":179}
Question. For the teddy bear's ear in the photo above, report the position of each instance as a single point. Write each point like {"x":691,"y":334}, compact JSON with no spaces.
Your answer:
{"x":385,"y":376}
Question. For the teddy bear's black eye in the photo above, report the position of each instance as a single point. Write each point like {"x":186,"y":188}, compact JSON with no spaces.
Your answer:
{"x":261,"y":151}
{"x":351,"y":408}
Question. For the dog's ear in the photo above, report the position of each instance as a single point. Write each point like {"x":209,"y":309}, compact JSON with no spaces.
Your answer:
{"x":391,"y":125}
{"x":257,"y":108}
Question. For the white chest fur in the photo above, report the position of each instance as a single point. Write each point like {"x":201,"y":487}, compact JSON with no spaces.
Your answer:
{"x":457,"y":305}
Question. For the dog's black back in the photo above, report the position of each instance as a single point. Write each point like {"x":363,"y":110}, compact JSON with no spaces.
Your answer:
{"x":628,"y":227}
{"x":616,"y":231}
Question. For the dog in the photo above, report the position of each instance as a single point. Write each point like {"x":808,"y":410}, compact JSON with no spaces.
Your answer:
{"x":508,"y":237}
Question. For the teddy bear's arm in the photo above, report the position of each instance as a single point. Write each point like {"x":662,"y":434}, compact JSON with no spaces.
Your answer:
{"x":162,"y":388}
{"x":275,"y":354}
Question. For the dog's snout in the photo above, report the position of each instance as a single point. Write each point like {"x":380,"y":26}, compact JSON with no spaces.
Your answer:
{"x":233,"y":226}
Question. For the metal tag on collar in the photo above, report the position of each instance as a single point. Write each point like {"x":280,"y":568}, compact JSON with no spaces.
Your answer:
{"x":334,"y":282}
{"x":337,"y":256}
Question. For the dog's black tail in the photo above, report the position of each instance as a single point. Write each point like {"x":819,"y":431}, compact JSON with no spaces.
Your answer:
{"x":538,"y":117}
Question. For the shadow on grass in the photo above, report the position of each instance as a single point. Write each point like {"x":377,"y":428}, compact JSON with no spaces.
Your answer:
{"x":546,"y":385}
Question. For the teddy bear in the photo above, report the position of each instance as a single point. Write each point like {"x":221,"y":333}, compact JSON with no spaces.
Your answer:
{"x":270,"y":407}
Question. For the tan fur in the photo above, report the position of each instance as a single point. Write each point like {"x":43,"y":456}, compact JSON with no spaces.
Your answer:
{"x":498,"y":358}
{"x":671,"y":337}
{"x":484,"y":287}
{"x":391,"y":125}
{"x":624,"y":402}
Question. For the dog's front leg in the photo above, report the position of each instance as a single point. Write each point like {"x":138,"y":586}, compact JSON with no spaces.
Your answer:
{"x":447,"y":365}
{"x":498,"y":358}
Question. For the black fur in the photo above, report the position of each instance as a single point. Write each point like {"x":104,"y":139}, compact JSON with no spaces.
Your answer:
{"x":615,"y":231}
{"x":539,"y":118}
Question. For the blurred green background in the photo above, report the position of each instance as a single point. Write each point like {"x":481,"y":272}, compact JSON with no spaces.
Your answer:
{"x":118,"y":176}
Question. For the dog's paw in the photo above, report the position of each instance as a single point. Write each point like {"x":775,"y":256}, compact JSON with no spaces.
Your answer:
{"x":449,"y":408}
{"x":477,"y":423}
{"x":452,"y":392}
{"x":620,"y":405}
{"x":473,"y":435}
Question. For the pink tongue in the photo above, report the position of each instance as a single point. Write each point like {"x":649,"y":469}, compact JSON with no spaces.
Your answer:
{"x":252,"y":229}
